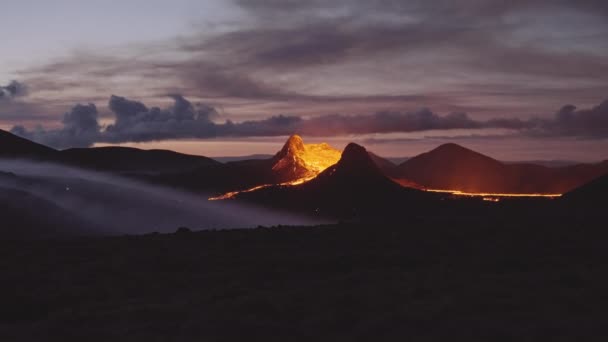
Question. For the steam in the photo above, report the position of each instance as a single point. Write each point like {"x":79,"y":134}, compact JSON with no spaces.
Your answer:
{"x":120,"y":206}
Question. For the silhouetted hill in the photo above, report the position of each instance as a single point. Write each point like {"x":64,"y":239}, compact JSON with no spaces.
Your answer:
{"x":592,"y":194}
{"x":126,"y":159}
{"x":12,"y":146}
{"x":353,"y":188}
{"x":453,"y":167}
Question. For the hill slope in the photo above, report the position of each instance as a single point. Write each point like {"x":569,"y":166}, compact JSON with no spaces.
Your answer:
{"x":593,"y":193}
{"x":12,"y":146}
{"x":126,"y":159}
{"x":453,"y":167}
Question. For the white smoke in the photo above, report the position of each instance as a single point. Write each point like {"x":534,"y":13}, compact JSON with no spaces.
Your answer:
{"x":124,"y":206}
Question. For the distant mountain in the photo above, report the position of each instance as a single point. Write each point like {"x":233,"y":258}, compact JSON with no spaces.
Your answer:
{"x":398,"y":160}
{"x":241,"y":158}
{"x":126,"y":159}
{"x":12,"y":146}
{"x":354,"y":187}
{"x":453,"y":167}
{"x":547,"y":163}
{"x":387,"y":167}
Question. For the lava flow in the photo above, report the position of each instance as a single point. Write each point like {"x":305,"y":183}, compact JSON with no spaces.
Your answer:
{"x":295,"y":164}
{"x":492,"y":197}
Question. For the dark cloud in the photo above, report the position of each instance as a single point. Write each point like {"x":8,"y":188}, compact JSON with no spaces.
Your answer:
{"x":12,"y":90}
{"x":568,"y":121}
{"x":135,"y":122}
{"x":462,"y":7}
{"x":80,"y":129}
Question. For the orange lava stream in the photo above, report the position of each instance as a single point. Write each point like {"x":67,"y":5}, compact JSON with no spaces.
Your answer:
{"x":233,"y":194}
{"x":493,"y":197}
{"x":314,"y":158}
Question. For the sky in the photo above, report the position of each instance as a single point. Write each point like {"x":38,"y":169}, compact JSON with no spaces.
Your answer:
{"x":517,"y":80}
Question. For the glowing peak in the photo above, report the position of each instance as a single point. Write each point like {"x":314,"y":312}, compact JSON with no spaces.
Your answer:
{"x":297,"y":160}
{"x":294,"y":144}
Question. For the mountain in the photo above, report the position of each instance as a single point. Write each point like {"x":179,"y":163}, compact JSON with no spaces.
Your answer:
{"x":453,"y":167}
{"x":12,"y":146}
{"x":297,"y":160}
{"x":352,"y":188}
{"x":126,"y":159}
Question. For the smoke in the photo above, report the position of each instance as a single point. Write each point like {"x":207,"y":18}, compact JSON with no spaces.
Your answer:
{"x":120,"y":206}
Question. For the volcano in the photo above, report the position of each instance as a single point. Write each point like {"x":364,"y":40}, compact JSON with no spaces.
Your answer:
{"x":299,"y":161}
{"x":352,"y":188}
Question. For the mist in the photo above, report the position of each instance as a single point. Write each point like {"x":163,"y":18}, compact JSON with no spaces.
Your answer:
{"x":115,"y":205}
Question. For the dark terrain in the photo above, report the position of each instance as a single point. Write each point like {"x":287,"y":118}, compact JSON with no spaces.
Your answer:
{"x":427,"y":279}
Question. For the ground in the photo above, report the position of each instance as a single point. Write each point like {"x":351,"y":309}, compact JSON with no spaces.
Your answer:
{"x":424,"y":279}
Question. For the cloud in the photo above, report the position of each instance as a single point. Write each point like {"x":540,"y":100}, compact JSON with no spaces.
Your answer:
{"x":12,"y":90}
{"x":568,"y":121}
{"x":304,"y":54}
{"x":80,"y":129}
{"x":136,"y":122}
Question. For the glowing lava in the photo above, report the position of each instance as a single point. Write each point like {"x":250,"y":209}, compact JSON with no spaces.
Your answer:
{"x":297,"y":160}
{"x":493,"y":197}
{"x":295,"y":164}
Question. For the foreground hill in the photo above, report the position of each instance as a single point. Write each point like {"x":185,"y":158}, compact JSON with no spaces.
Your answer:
{"x":453,"y":167}
{"x":592,"y":194}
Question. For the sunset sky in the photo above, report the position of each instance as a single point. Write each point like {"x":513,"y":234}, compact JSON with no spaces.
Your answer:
{"x":517,"y":80}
